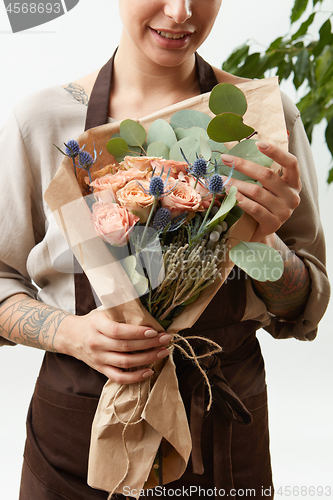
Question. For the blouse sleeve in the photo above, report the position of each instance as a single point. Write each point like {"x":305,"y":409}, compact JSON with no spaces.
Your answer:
{"x":303,"y":233}
{"x":18,"y":234}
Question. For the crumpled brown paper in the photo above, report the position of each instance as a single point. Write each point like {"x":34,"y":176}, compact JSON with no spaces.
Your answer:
{"x":131,"y":421}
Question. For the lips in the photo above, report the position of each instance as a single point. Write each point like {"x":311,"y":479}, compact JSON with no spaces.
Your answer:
{"x":171,"y":36}
{"x":171,"y":39}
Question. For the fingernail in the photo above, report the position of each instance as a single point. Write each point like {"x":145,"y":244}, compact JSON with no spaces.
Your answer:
{"x":227,"y":158}
{"x":150,"y":334}
{"x":262,"y":145}
{"x":147,"y":374}
{"x":162,"y":354}
{"x":165,"y":339}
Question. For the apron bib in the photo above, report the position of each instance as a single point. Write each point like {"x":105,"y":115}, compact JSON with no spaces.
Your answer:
{"x":230,"y":443}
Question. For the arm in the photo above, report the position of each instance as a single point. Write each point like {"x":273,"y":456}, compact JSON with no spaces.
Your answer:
{"x":105,"y":345}
{"x":271,"y":204}
{"x":285,"y":298}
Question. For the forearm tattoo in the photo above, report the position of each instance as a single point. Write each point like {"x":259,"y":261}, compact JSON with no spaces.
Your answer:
{"x":78,"y":92}
{"x":286,"y":298}
{"x":28,"y":322}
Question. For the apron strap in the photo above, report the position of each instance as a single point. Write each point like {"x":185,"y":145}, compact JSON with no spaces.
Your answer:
{"x":98,"y":106}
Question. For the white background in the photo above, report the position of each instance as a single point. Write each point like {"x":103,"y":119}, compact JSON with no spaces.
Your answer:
{"x":299,"y":374}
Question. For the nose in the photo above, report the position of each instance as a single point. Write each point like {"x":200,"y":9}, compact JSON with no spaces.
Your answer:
{"x":178,"y":10}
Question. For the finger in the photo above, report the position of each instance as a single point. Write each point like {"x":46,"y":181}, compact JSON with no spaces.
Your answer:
{"x":126,"y":331}
{"x":126,"y":377}
{"x":288,"y":162}
{"x":127,"y":361}
{"x":105,"y":343}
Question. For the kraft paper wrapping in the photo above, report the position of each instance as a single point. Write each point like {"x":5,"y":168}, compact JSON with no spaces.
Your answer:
{"x":132,"y":421}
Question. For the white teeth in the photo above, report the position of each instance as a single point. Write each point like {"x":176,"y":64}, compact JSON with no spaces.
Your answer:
{"x":173,"y":36}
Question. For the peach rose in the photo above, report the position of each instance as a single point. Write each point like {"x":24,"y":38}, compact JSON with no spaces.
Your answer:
{"x":175,"y":167}
{"x":206,"y":195}
{"x":116,"y":181}
{"x":182,"y":199}
{"x":140,"y":162}
{"x":113,"y":223}
{"x":135,"y":200}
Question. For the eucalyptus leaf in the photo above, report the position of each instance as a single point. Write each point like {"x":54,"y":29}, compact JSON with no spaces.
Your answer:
{"x":259,"y":261}
{"x":228,"y":127}
{"x":205,"y":150}
{"x":195,"y":132}
{"x":161,"y":129}
{"x":228,"y":203}
{"x":227,"y":98}
{"x":117,"y":147}
{"x":188,"y":118}
{"x":225,"y":170}
{"x":249,"y":151}
{"x":157,"y":149}
{"x":190,"y":148}
{"x":133,"y":133}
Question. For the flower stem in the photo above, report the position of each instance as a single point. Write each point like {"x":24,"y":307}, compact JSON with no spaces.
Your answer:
{"x":148,"y":222}
{"x":73,"y":160}
{"x":207,"y":213}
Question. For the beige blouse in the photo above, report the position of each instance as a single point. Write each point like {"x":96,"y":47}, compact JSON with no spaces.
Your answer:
{"x":34,"y":256}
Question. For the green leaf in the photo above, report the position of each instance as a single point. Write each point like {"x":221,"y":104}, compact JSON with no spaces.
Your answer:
{"x":161,"y":129}
{"x":117,"y":147}
{"x":227,"y":98}
{"x":249,"y":151}
{"x":298,"y":9}
{"x":236,"y":58}
{"x":158,"y":148}
{"x":189,"y":147}
{"x":259,"y":261}
{"x":228,"y":127}
{"x":330,"y":176}
{"x":188,"y":118}
{"x":301,"y":67}
{"x":329,"y":135}
{"x":217,"y":149}
{"x":195,"y":132}
{"x":304,"y":27}
{"x":228,"y":203}
{"x":205,"y":150}
{"x":133,"y":133}
{"x":225,"y":170}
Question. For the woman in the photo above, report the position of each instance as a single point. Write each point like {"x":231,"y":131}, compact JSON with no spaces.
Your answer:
{"x":154,"y":66}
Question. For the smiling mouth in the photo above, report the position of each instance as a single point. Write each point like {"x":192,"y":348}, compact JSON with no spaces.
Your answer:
{"x":171,"y":36}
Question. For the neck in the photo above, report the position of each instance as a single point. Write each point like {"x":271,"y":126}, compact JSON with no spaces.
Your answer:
{"x":140,"y":86}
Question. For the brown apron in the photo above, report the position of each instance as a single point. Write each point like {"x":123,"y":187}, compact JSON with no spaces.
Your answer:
{"x":230,"y":443}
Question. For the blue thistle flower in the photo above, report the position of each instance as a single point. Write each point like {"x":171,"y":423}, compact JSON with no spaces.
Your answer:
{"x":85,"y":159}
{"x":215,"y":184}
{"x":162,"y":219}
{"x":156,"y":187}
{"x":199,"y":167}
{"x":72,"y":148}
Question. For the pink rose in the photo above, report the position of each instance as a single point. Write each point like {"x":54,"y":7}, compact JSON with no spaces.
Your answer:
{"x":206,"y":195}
{"x":182,"y":199}
{"x":132,"y":197}
{"x":140,"y":162}
{"x":113,"y":223}
{"x":175,"y":167}
{"x":116,"y":181}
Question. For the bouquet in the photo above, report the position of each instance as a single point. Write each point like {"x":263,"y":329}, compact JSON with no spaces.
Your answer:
{"x":158,"y":225}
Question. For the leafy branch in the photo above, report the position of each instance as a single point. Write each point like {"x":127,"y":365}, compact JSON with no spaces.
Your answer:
{"x":298,"y":56}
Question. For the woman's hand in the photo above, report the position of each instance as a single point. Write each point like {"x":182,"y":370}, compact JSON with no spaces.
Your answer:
{"x":272,"y":203}
{"x":112,"y":348}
